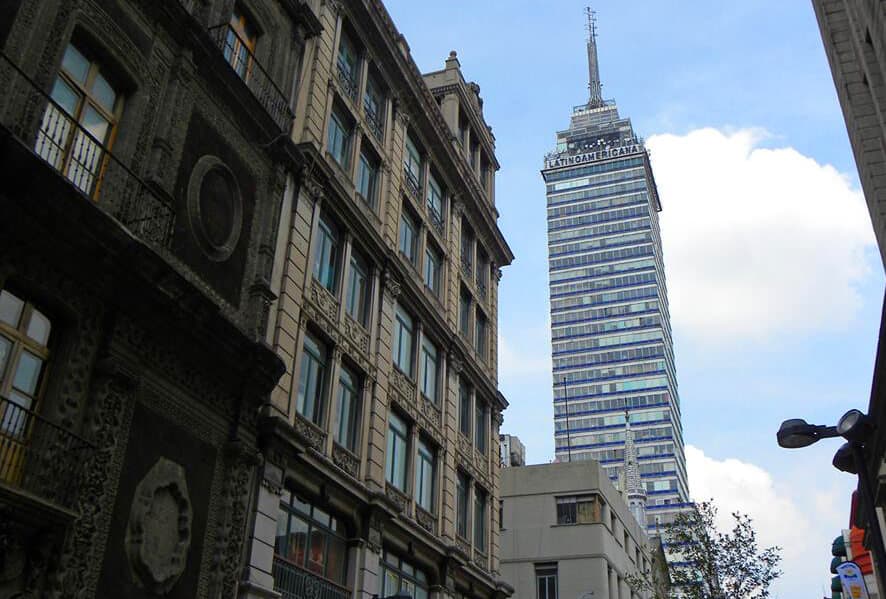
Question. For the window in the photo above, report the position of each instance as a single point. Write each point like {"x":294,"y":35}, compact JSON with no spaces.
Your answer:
{"x":374,"y":105}
{"x":579,"y":509}
{"x":435,"y":202}
{"x":479,"y":520}
{"x":348,"y":409}
{"x":339,"y":140}
{"x":395,"y":460}
{"x":480,"y":340}
{"x":412,"y":166}
{"x":433,"y":262}
{"x":312,"y":380}
{"x":462,"y":485}
{"x":357,"y":300}
{"x":240,"y":44}
{"x":467,"y":246}
{"x":464,"y":313}
{"x":312,"y":539}
{"x":464,"y":408}
{"x":79,"y":123}
{"x":408,"y":236}
{"x":367,"y":179}
{"x":482,"y":275}
{"x":401,"y":575}
{"x":424,"y":476}
{"x":481,"y":427}
{"x":404,"y":334}
{"x":326,"y":255}
{"x":24,"y":351}
{"x":347,"y":64}
{"x":430,"y":368}
{"x":546,"y":581}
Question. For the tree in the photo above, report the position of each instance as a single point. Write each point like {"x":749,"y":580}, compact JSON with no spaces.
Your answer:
{"x":706,"y":563}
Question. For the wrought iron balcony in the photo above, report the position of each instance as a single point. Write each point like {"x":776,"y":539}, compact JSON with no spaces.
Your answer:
{"x":375,"y":121}
{"x":59,"y":140}
{"x":293,"y":582}
{"x":413,"y":185}
{"x":38,"y":456}
{"x":347,"y":81}
{"x":237,"y":53}
{"x":467,"y":267}
{"x":481,"y":288}
{"x":436,"y":218}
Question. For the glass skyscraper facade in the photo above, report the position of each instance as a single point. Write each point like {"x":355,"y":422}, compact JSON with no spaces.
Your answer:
{"x":612,"y":349}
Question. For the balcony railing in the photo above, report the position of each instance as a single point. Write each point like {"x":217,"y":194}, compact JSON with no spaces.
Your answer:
{"x":467,"y":267}
{"x":436,"y":218}
{"x":38,"y":456}
{"x":86,"y":162}
{"x":375,"y":120}
{"x":293,"y":582}
{"x":413,"y":185}
{"x":245,"y":64}
{"x":347,"y":80}
{"x":481,"y":288}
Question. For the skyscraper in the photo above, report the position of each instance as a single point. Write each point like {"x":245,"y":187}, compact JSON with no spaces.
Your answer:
{"x":613,"y":354}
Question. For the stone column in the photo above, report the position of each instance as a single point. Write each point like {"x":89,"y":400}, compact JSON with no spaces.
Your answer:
{"x":613,"y":583}
{"x":624,"y":591}
{"x":600,"y":574}
{"x":258,"y":579}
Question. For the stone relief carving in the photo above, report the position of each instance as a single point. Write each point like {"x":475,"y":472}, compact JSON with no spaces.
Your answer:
{"x":159,"y":533}
{"x":310,"y":433}
{"x":426,"y":520}
{"x":396,"y":496}
{"x":345,"y":460}
{"x":402,"y":386}
{"x":326,"y":303}
{"x":357,"y":334}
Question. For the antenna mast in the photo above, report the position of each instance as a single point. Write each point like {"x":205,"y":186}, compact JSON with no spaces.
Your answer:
{"x":595,"y":88}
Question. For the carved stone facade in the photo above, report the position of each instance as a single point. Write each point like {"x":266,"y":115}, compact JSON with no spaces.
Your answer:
{"x":379,"y":366}
{"x":150,"y":253}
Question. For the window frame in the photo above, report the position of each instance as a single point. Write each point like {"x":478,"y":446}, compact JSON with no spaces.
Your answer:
{"x":357,"y":301}
{"x":430,"y":385}
{"x":433,"y":271}
{"x":426,"y":476}
{"x":403,"y":321}
{"x":367,"y":176}
{"x":327,"y":250}
{"x":346,"y":138}
{"x":412,"y":161}
{"x":409,"y":247}
{"x":481,"y":427}
{"x":397,"y":438}
{"x":548,"y":573}
{"x":347,"y":432}
{"x":408,"y":576}
{"x":465,"y":409}
{"x":481,"y":520}
{"x":321,"y":358}
{"x":462,"y":504}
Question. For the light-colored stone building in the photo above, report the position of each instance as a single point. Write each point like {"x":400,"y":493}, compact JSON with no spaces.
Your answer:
{"x":567,"y":533}
{"x":512,"y":450}
{"x":382,"y":470}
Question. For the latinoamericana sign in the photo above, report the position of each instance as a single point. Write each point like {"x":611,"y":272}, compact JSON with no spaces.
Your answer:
{"x":608,"y":152}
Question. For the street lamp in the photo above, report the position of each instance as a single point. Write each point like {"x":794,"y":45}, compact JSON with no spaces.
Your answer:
{"x":857,"y":428}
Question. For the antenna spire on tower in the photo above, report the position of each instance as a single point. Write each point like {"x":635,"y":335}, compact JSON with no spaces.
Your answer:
{"x":594,"y":86}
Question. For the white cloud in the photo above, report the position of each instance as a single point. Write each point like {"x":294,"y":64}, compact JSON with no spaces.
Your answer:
{"x":803,"y":523}
{"x":757,"y":241}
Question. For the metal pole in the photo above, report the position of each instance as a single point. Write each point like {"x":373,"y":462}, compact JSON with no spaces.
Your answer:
{"x":568,"y":438}
{"x":874,"y":522}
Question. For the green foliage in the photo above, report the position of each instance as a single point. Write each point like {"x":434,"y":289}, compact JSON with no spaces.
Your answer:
{"x":709,"y":563}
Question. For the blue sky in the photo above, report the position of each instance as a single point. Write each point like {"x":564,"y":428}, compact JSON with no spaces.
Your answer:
{"x":775,"y":283}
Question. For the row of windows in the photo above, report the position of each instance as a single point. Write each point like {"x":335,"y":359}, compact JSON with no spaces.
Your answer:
{"x":612,"y":177}
{"x":607,"y":405}
{"x":572,"y":302}
{"x":616,"y":437}
{"x":591,"y":201}
{"x":586,"y":422}
{"x":580,"y":376}
{"x":595,"y":231}
{"x":593,"y":244}
{"x":462,"y":512}
{"x":581,"y":391}
{"x":598,"y":217}
{"x":602,"y":270}
{"x":560,"y":199}
{"x":328,"y":257}
{"x":604,"y":256}
{"x":583,"y":343}
{"x":601,"y":190}
{"x":592,"y":169}
{"x":643,"y":451}
{"x":621,"y":355}
{"x":599,"y":201}
{"x":599,"y":284}
{"x":596,"y":328}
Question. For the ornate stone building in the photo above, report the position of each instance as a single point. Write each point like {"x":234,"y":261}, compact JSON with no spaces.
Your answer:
{"x":382,"y":469}
{"x":146,"y":158}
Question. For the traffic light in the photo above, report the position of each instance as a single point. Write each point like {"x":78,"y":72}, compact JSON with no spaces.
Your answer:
{"x":838,"y":550}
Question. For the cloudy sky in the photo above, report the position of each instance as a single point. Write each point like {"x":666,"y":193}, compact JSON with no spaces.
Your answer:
{"x":774,"y":279}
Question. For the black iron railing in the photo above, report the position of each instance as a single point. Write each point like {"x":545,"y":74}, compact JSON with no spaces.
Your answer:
{"x":238,"y":54}
{"x":374,"y":120}
{"x":412,"y":184}
{"x":38,"y":456}
{"x":60,"y":140}
{"x":467,"y":267}
{"x":293,"y":582}
{"x":347,"y":80}
{"x":436,"y":218}
{"x":481,"y":288}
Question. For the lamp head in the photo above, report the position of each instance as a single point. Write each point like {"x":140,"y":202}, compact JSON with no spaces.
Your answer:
{"x":796,"y":433}
{"x":856,"y":426}
{"x":844,"y":459}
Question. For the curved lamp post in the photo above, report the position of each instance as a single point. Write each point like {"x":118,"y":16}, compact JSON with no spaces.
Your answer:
{"x":857,"y":428}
